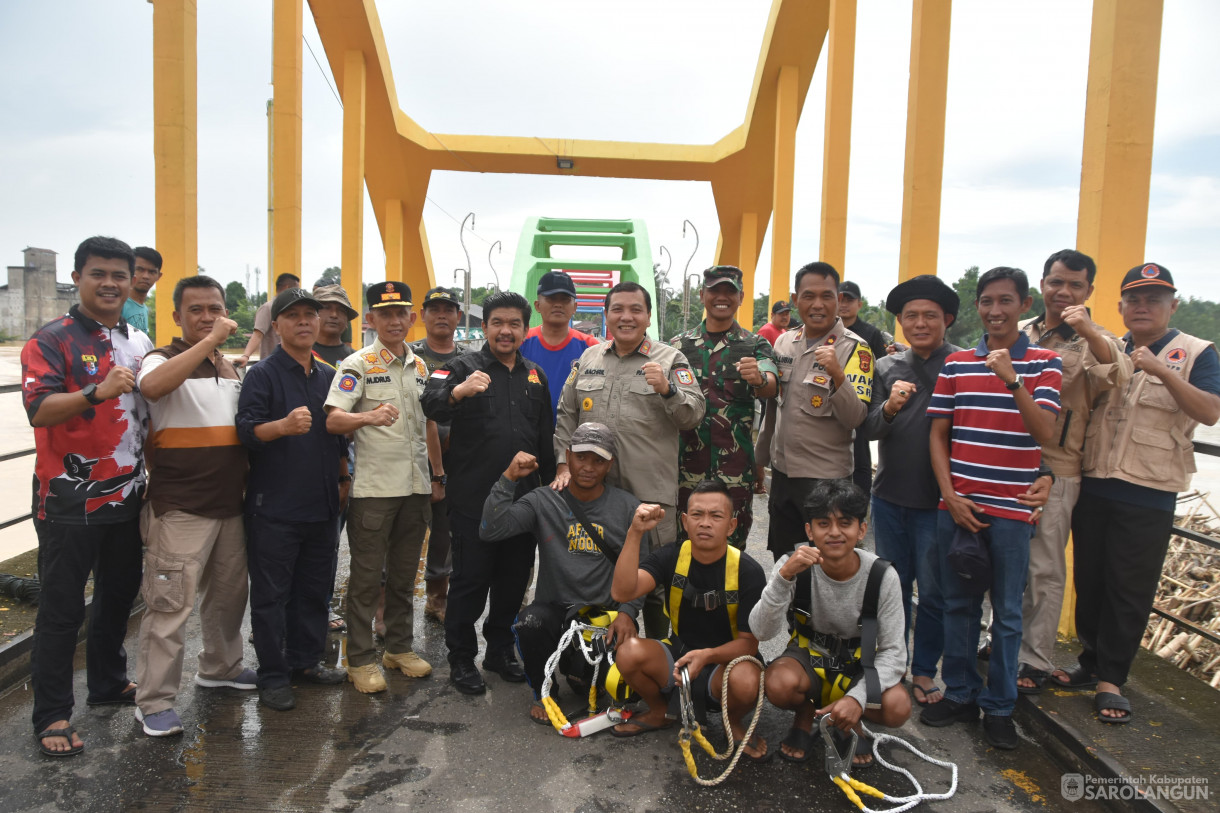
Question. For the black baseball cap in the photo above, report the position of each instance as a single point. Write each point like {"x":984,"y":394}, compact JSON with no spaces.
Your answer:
{"x":850,"y":289}
{"x":781,"y":307}
{"x":593,"y":437}
{"x":1146,"y":276}
{"x":441,"y":295}
{"x":390,"y":292}
{"x":722,"y":273}
{"x":556,"y":282}
{"x":292,"y":296}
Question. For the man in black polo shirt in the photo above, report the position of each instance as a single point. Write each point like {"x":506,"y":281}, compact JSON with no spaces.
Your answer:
{"x":849,"y":312}
{"x":498,"y":404}
{"x":293,"y":500}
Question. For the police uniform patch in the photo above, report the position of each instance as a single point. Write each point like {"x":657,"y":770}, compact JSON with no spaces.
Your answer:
{"x":375,"y":369}
{"x":571,"y":376}
{"x":371,"y":358}
{"x":421,"y":367}
{"x":831,"y":339}
{"x":684,"y":377}
{"x":90,"y":364}
{"x":646,"y":347}
{"x":820,"y":379}
{"x":816,"y":401}
{"x":380,"y":379}
{"x":347,"y":383}
{"x":1176,"y":356}
{"x":533,"y":377}
{"x":387,"y":356}
{"x":866,"y":360}
{"x":586,"y":404}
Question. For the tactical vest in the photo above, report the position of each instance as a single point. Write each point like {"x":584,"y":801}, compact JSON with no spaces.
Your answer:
{"x":1139,"y":433}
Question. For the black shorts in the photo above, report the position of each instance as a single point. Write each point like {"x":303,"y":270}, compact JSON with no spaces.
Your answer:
{"x":700,"y":684}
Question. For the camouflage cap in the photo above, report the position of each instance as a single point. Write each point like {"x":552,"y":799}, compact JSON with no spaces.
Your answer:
{"x":722,"y":273}
{"x":593,"y":437}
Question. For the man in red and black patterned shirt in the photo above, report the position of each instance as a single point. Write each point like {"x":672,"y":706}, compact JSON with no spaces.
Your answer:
{"x":78,"y":387}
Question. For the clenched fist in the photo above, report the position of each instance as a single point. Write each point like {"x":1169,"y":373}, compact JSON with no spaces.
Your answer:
{"x":478,"y":382}
{"x":383,"y":415}
{"x":825,"y":356}
{"x":1000,"y":363}
{"x":222,"y":329}
{"x":747,"y":368}
{"x":522,"y":465}
{"x":656,"y":378}
{"x":118,"y":381}
{"x":900,"y":393}
{"x":297,"y":422}
{"x":647,"y":516}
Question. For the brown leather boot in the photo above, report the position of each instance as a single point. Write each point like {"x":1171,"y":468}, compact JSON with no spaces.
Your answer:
{"x":434,"y":606}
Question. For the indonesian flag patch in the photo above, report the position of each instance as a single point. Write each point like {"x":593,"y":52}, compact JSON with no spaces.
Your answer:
{"x":441,"y":374}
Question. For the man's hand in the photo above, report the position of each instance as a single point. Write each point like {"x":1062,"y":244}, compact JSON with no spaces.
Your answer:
{"x":1038,"y":495}
{"x":963,"y":512}
{"x":844,"y":713}
{"x":241,"y":361}
{"x":760,"y":479}
{"x":1078,"y":317}
{"x":694,"y":661}
{"x":747,"y":368}
{"x":825,"y":355}
{"x":900,"y":393}
{"x":383,"y":415}
{"x":1143,"y":359}
{"x":656,"y":378}
{"x":118,"y":381}
{"x":222,"y":329}
{"x":438,"y":492}
{"x":478,"y":382}
{"x":522,"y":465}
{"x":803,"y":558}
{"x":297,"y":422}
{"x":1000,"y":363}
{"x":895,"y":347}
{"x":647,"y":516}
{"x":562,"y":477}
{"x":622,"y":628}
{"x":345,"y":488}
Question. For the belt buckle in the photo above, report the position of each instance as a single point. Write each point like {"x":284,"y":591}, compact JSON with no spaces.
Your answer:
{"x":711,"y":600}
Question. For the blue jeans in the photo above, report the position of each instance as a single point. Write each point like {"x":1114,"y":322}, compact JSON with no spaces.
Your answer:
{"x":963,"y":614}
{"x":907,"y":537}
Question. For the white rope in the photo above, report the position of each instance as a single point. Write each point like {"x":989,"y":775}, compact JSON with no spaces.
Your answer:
{"x":908,"y":802}
{"x":690,"y":725}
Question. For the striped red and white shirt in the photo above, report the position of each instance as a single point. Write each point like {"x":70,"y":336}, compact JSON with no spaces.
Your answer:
{"x":992,"y":456}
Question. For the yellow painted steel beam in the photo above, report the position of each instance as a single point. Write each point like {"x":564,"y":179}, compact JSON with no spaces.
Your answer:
{"x":925,"y":145}
{"x":394,"y":227}
{"x":787,"y":114}
{"x":287,"y":22}
{"x":352,"y":209}
{"x":1116,"y":166}
{"x":175,"y":110}
{"x":836,"y":148}
{"x":747,"y":261}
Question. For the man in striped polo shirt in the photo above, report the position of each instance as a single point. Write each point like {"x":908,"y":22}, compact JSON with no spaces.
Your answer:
{"x":193,"y":518}
{"x":992,"y":409}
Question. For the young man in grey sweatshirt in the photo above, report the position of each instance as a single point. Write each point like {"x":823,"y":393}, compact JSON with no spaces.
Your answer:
{"x":804,"y":680}
{"x":576,"y":561}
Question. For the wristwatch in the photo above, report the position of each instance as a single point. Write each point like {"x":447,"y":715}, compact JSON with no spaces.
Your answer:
{"x":89,"y":391}
{"x":443,"y":479}
{"x":1016,"y":384}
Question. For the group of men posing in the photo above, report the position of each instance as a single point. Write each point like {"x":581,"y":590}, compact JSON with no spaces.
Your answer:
{"x":630,"y":467}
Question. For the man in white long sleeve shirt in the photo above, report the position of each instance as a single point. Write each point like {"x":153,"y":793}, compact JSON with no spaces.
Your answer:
{"x":826,"y":669}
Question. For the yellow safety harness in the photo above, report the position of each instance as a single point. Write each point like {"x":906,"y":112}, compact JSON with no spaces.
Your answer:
{"x":680,"y":588}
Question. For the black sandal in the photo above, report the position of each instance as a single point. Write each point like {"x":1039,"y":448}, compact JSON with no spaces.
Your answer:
{"x":67,"y":733}
{"x":1038,"y":677}
{"x":798,"y":740}
{"x":1077,"y":678}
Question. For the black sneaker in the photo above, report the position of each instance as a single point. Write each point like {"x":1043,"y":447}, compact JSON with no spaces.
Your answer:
{"x":466,"y":678}
{"x":506,"y":665}
{"x":948,"y":712}
{"x":279,"y":698}
{"x":323,"y":675}
{"x":1000,"y":732}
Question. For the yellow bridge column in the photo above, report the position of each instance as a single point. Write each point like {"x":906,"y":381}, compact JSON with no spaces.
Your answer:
{"x":352,"y":255}
{"x":747,"y":261}
{"x":925,"y":148}
{"x":287,"y":21}
{"x":1116,"y":166}
{"x":787,"y":114}
{"x":175,"y":74}
{"x":836,"y":151}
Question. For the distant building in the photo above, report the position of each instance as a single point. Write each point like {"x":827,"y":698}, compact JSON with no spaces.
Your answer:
{"x":33,"y":297}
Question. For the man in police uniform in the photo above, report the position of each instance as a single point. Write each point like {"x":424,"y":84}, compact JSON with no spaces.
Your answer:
{"x":1138,"y":455}
{"x":733,"y":366}
{"x":376,"y":395}
{"x":826,"y":383}
{"x":646,"y":393}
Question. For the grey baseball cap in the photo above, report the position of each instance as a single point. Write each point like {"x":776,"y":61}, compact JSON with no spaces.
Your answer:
{"x":593,"y":437}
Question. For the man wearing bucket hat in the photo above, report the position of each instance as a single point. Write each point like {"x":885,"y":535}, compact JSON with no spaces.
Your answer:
{"x":1138,"y":455}
{"x":334,"y":317}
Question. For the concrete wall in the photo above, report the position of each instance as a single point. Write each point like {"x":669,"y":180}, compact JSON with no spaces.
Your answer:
{"x":32,"y":297}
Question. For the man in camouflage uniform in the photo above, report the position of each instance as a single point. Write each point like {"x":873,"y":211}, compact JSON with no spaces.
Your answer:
{"x":733,"y":367}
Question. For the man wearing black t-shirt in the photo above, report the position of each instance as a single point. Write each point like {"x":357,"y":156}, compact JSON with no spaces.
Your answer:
{"x":710,"y":613}
{"x":849,"y":312}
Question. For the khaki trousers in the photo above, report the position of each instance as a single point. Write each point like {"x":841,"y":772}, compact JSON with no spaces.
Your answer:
{"x":383,"y":532}
{"x":1047,"y":575}
{"x":186,"y":554}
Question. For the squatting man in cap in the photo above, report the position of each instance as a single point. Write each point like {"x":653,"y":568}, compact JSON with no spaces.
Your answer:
{"x":376,"y":394}
{"x":297,"y":488}
{"x":580,"y":532}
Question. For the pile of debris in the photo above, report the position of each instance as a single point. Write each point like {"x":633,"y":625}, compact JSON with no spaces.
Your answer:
{"x":1190,"y":590}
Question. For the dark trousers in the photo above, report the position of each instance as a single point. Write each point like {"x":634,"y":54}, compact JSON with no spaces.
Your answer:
{"x":290,"y":578}
{"x":862,"y":475}
{"x":66,"y":555}
{"x":499,"y":570}
{"x":538,"y":630}
{"x":1119,"y":549}
{"x":786,"y":509}
{"x":439,"y":564}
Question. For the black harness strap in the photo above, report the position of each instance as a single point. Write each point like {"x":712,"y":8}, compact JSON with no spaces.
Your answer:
{"x":868,"y":633}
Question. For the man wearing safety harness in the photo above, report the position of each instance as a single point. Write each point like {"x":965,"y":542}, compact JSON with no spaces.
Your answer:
{"x":579,"y":532}
{"x":711,"y":590}
{"x":847,"y":650}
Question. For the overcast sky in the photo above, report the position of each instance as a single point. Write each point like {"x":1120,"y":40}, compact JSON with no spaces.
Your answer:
{"x":76,"y":154}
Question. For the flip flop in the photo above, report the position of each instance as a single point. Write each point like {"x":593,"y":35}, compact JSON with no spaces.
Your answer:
{"x":1038,"y":676}
{"x":1116,"y":702}
{"x":67,"y":733}
{"x":864,"y":748}
{"x":641,"y":728}
{"x":336,"y":624}
{"x":798,"y":740}
{"x":754,"y":743}
{"x":1077,"y":679}
{"x":127,"y":697}
{"x":546,"y":721}
{"x":924,"y":694}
